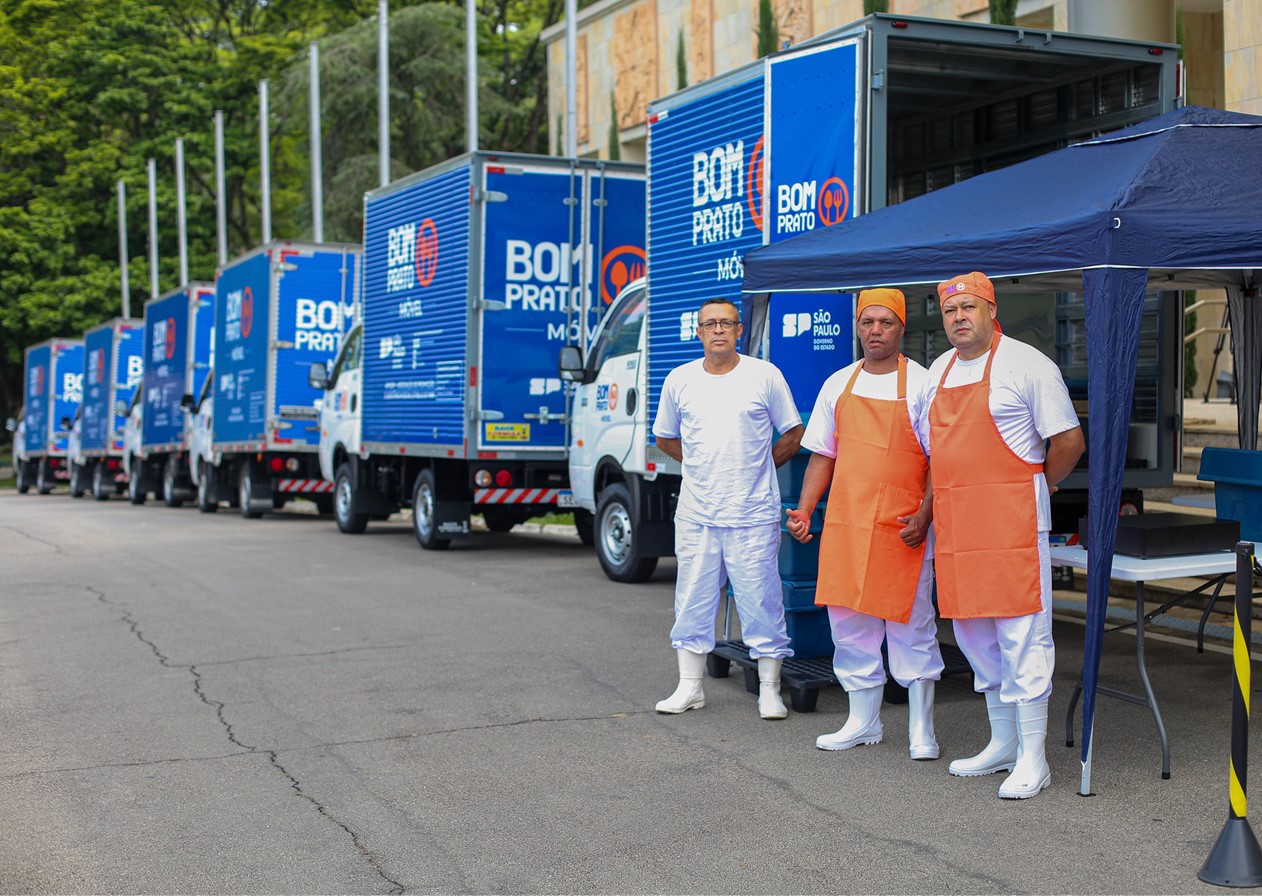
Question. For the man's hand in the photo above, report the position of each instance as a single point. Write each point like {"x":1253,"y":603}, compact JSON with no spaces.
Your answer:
{"x":916,"y":526}
{"x":799,"y":525}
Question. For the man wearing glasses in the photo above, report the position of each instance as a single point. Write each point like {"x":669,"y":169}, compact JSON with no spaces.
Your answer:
{"x":717,"y":416}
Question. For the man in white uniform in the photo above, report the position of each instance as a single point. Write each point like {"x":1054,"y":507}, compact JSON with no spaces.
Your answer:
{"x":717,"y":417}
{"x":1002,"y":433}
{"x":867,"y":438}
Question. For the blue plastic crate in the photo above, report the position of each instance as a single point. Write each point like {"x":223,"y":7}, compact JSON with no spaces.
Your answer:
{"x":800,"y":562}
{"x":798,"y":595}
{"x":809,"y":633}
{"x":1237,"y":477}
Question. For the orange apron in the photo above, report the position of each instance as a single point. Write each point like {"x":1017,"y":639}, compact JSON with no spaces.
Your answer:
{"x":879,"y":476}
{"x":985,"y":513}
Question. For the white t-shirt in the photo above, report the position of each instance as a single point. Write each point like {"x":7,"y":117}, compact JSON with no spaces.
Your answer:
{"x":1028,"y":401}
{"x":725,"y":424}
{"x":821,"y":433}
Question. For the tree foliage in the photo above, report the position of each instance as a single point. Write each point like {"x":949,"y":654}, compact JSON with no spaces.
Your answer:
{"x":1003,"y":12}
{"x":768,"y":29}
{"x":92,"y":89}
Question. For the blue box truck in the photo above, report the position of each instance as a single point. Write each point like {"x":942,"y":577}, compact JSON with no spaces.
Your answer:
{"x":112,"y":369}
{"x":52,"y":378}
{"x":446,"y":397}
{"x":176,"y":351}
{"x":278,"y":309}
{"x":865,"y":116}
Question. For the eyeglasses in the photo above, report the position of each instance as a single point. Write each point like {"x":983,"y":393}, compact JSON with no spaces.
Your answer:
{"x":711,"y":325}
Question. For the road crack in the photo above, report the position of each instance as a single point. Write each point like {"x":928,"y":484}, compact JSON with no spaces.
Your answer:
{"x":233,"y":738}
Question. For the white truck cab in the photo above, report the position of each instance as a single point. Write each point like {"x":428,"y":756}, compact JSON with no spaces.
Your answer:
{"x":629,"y":498}
{"x":340,"y":409}
{"x":199,"y":413}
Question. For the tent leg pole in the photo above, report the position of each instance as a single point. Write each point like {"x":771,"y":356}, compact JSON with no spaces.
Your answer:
{"x":1084,"y":785}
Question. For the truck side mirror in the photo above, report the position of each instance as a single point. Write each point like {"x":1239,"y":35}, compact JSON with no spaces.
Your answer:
{"x":187,"y":403}
{"x":318,"y":376}
{"x":11,"y":425}
{"x":570,"y":366}
{"x":65,"y":424}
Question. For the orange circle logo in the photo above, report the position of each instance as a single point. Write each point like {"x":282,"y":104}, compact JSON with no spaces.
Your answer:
{"x":618,"y":268}
{"x":247,"y":313}
{"x":833,"y":201}
{"x":754,"y":197}
{"x":613,"y":396}
{"x":426,"y":252}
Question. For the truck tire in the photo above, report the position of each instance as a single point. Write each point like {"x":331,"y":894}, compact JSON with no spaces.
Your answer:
{"x":44,"y":477}
{"x":585,"y":525}
{"x":76,"y":480}
{"x":171,"y":494}
{"x":423,"y":523}
{"x":206,"y":489}
{"x":137,"y":490}
{"x":615,"y":539}
{"x":500,"y":519}
{"x":23,"y":475}
{"x":100,"y":488}
{"x":245,"y":491}
{"x":343,"y":499}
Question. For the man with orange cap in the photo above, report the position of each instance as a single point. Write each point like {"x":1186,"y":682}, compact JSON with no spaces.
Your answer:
{"x":1002,"y":433}
{"x":876,"y":558}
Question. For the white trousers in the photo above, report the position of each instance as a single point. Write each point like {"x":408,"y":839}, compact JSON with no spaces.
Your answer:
{"x":912,"y":645}
{"x":1013,"y":655}
{"x":708,"y":557}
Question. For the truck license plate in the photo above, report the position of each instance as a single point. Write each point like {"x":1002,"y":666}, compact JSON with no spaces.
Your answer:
{"x":566,"y":499}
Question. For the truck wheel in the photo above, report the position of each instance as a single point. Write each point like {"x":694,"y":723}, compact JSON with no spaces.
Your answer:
{"x":206,"y":488}
{"x":615,"y":538}
{"x":137,"y":491}
{"x":100,"y":489}
{"x":76,"y":481}
{"x":585,"y":525}
{"x":23,"y":473}
{"x":245,"y":491}
{"x":43,"y":477}
{"x":500,"y":519}
{"x":423,"y":523}
{"x":171,"y":496}
{"x":343,"y":498}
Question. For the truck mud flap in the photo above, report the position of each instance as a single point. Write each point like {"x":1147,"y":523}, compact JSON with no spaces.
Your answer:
{"x":451,"y":518}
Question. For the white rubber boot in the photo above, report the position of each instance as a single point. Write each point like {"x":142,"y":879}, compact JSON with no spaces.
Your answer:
{"x":1000,"y":755}
{"x":770,"y":706}
{"x":920,"y":735}
{"x":1031,"y":773}
{"x":689,"y":694}
{"x":863,"y":725}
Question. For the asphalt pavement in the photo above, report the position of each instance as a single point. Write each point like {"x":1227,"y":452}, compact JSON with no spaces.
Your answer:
{"x":196,"y":703}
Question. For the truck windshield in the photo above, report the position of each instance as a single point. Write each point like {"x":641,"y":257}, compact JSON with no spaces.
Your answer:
{"x":622,"y":334}
{"x":348,"y":357}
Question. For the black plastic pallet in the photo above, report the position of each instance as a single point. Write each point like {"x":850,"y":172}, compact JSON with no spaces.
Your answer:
{"x":803,"y":677}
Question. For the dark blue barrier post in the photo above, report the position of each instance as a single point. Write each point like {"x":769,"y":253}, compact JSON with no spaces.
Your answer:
{"x":1236,"y":859}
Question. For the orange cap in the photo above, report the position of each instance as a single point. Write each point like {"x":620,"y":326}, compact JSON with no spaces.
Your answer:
{"x":972,"y":284}
{"x":892,"y":299}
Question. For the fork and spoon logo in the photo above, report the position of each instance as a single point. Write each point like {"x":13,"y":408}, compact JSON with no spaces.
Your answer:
{"x":619,"y":267}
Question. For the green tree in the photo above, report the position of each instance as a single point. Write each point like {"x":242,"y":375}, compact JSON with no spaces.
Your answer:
{"x":1003,"y":12}
{"x":681,"y":63}
{"x":871,"y":6}
{"x":615,"y":144}
{"x":768,"y":29}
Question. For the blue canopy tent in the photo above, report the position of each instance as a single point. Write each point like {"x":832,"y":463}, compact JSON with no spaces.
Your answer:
{"x":1175,"y":202}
